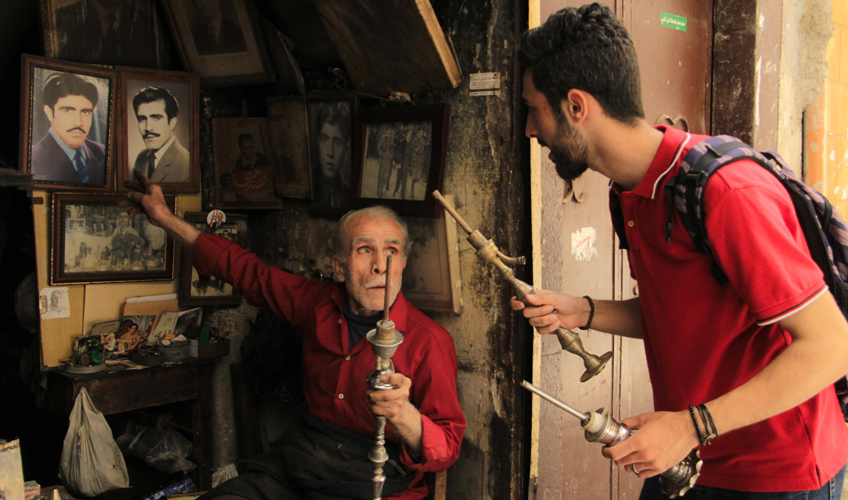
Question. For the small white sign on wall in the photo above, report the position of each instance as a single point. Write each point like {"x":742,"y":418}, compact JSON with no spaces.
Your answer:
{"x":484,"y":84}
{"x":583,"y":244}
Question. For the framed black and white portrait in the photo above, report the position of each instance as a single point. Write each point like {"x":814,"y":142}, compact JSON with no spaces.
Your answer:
{"x":219,"y":40}
{"x":93,"y":240}
{"x":159,"y":128}
{"x":68,"y":125}
{"x":401,"y":158}
{"x":331,"y":151}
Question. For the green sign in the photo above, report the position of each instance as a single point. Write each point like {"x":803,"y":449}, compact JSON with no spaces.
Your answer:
{"x":671,"y":21}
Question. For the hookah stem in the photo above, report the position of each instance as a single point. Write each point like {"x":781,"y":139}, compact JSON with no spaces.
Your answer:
{"x":450,"y":209}
{"x":556,"y":402}
{"x":386,"y":289}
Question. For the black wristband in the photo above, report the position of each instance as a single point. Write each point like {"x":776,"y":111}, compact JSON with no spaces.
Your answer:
{"x":709,"y":425}
{"x":591,"y":313}
{"x":697,"y":427}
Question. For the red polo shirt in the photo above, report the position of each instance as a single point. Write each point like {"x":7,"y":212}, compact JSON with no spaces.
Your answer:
{"x":334,"y":378}
{"x":702,"y":340}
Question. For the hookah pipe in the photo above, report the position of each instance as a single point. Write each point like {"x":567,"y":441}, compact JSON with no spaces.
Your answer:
{"x":384,"y":342}
{"x":488,"y":252}
{"x":600,"y":427}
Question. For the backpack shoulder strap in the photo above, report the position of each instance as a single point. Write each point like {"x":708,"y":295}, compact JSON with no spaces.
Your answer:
{"x":617,"y":219}
{"x":686,"y":190}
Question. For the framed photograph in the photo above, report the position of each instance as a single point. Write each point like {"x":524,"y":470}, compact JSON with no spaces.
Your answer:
{"x":287,"y":127}
{"x":106,"y":32}
{"x":331,"y":151}
{"x":113,"y":247}
{"x":215,"y":292}
{"x":244,"y":164}
{"x":67,"y":125}
{"x":219,"y":40}
{"x":401,"y":158}
{"x":159,"y":128}
{"x":431,"y":277}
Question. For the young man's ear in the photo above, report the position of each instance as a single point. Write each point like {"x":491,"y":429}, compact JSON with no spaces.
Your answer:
{"x":49,"y":112}
{"x":575,"y":105}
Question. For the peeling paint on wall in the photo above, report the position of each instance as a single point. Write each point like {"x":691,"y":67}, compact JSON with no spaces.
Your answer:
{"x":583,"y":244}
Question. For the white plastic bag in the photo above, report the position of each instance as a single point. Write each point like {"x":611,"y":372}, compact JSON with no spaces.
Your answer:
{"x":91,"y":461}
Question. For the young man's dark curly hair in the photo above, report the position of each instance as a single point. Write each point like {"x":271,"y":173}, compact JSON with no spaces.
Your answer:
{"x":585,"y":48}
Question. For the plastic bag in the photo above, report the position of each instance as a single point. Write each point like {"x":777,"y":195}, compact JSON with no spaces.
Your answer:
{"x":91,"y":461}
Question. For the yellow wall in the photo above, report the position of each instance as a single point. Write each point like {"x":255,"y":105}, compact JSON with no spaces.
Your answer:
{"x":89,"y":304}
{"x":826,"y":120}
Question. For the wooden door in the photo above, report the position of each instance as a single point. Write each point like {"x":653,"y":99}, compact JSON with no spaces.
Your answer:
{"x":576,"y":252}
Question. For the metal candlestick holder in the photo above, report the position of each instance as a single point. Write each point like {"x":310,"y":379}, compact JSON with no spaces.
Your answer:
{"x":384,"y":342}
{"x":488,"y":252}
{"x":600,"y":427}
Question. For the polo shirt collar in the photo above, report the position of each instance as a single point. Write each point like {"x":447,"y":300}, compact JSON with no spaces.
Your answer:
{"x":663,"y":163}
{"x":397,"y":312}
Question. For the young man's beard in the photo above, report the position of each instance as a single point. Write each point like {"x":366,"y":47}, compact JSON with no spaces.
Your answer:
{"x":569,"y":152}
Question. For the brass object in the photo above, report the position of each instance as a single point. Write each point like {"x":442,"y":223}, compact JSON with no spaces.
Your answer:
{"x":384,"y":342}
{"x":600,"y":427}
{"x":487,"y":251}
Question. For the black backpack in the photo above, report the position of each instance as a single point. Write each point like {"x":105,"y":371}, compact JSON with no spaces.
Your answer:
{"x":825,"y":230}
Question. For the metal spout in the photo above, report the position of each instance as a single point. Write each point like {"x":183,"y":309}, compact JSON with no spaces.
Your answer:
{"x":488,"y":252}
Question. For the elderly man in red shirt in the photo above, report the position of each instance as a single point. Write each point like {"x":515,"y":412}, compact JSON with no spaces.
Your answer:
{"x":328,"y":459}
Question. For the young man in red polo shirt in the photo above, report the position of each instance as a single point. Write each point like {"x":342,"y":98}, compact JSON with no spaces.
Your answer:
{"x":761,"y":352}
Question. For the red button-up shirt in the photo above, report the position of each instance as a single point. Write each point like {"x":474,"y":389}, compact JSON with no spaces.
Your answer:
{"x":334,"y":378}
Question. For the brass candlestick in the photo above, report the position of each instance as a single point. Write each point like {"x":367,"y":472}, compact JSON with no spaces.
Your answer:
{"x":600,"y":427}
{"x":487,"y":251}
{"x":384,"y":342}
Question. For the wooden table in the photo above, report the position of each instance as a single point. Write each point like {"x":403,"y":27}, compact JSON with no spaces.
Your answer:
{"x":127,"y":390}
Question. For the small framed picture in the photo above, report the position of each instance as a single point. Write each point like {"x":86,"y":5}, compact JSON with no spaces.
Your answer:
{"x":431,"y":278}
{"x":288,"y":129}
{"x":244,"y":164}
{"x":401,"y":158}
{"x":112,"y":246}
{"x":331,"y":151}
{"x":68,"y":125}
{"x":214,"y":292}
{"x":106,"y":32}
{"x":219,"y":40}
{"x":159,"y":128}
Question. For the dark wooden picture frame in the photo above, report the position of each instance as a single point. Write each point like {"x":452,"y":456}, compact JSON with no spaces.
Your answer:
{"x":82,"y":126}
{"x":236,"y":54}
{"x":401,"y":158}
{"x":331,"y":151}
{"x":84,"y":248}
{"x":216,"y":292}
{"x":100,"y":32}
{"x":177,"y":163}
{"x":288,"y":129}
{"x":241,"y":183}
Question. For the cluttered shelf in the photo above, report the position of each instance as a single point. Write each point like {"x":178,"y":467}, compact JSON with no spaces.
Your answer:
{"x":122,"y":388}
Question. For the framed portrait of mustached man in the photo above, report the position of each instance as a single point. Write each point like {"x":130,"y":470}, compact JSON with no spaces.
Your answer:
{"x":159,"y":128}
{"x":68,"y":119}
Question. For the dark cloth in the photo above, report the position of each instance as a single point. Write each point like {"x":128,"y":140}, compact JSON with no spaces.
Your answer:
{"x":358,"y":326}
{"x":50,"y":163}
{"x":315,"y":460}
{"x":172,"y":167}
